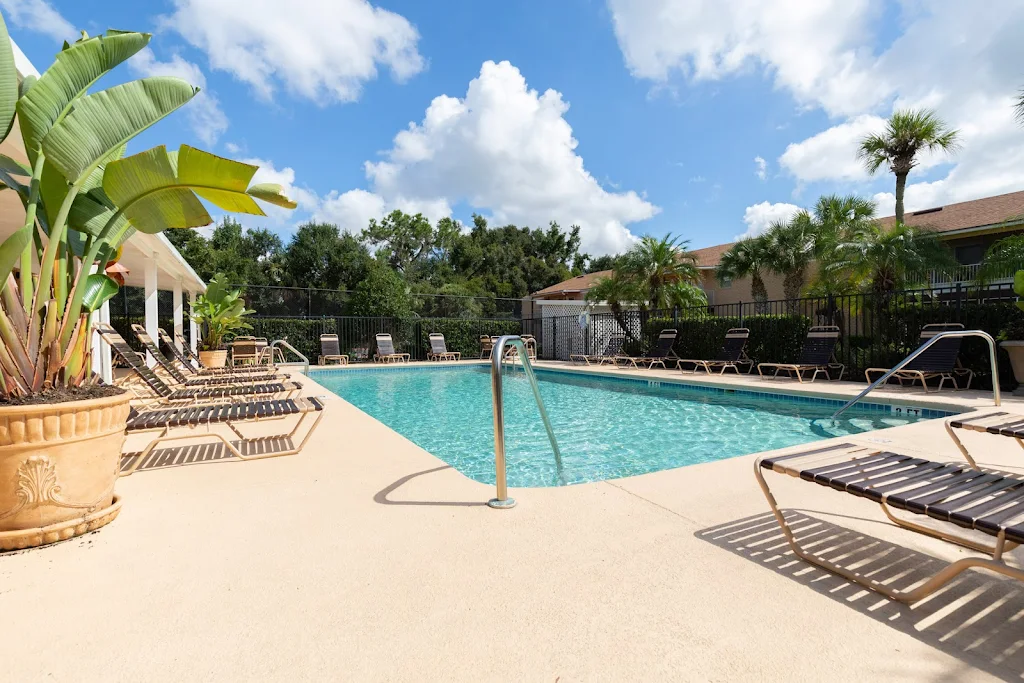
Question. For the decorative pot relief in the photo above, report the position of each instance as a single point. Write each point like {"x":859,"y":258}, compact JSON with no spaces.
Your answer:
{"x":37,"y":485}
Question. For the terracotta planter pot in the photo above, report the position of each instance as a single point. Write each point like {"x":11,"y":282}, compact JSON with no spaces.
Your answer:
{"x":1015,"y":349}
{"x":214,"y":359}
{"x":58,"y":465}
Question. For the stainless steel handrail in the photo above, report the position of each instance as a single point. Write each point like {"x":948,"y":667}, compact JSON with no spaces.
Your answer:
{"x":502,"y":501}
{"x":996,"y":395}
{"x":284,"y":342}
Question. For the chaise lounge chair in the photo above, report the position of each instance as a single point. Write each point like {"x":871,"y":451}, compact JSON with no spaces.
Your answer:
{"x":178,"y":376}
{"x":486,"y":344}
{"x":938,"y":360}
{"x":612,"y":350}
{"x":166,"y":419}
{"x":439,"y":350}
{"x":661,"y":353}
{"x":955,"y":495}
{"x":162,"y":393}
{"x":999,"y":424}
{"x":330,"y":350}
{"x":386,"y":351}
{"x":732,"y":355}
{"x":817,"y":357}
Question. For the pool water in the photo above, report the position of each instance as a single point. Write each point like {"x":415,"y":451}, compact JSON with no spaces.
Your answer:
{"x":606,"y":427}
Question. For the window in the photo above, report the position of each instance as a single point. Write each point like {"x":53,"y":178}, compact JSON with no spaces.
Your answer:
{"x":726,"y":282}
{"x":969,"y":254}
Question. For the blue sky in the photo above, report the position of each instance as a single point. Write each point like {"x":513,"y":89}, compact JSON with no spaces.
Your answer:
{"x":670,"y":102}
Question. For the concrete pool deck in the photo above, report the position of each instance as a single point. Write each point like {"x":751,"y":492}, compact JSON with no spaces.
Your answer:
{"x":366,"y":558}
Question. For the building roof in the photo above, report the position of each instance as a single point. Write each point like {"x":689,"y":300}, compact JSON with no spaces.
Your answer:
{"x":978,"y":213}
{"x":708,"y":257}
{"x":580,"y":283}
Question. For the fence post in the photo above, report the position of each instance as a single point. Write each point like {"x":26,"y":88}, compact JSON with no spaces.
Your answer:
{"x":741,"y":314}
{"x":959,"y":288}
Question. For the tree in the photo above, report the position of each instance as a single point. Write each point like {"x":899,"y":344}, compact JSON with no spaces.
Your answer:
{"x":403,"y":241}
{"x":599,"y":263}
{"x":791,"y":248}
{"x":665,"y":272}
{"x":1002,"y":259}
{"x":748,"y":258}
{"x":885,"y":260}
{"x":381,"y":293}
{"x":320,"y":256}
{"x":1018,"y":107}
{"x":907,"y":133}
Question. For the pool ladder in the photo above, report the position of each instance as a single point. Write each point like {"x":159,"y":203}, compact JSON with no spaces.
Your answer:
{"x":502,"y":501}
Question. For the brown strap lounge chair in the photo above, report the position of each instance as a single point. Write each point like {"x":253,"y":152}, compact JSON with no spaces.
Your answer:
{"x":330,"y":350}
{"x":940,"y":360}
{"x":817,"y":357}
{"x":187,"y":357}
{"x":1003,"y":424}
{"x":439,"y":350}
{"x":956,"y":495}
{"x":661,"y":353}
{"x":486,"y":344}
{"x":386,"y":351}
{"x":732,"y":355}
{"x":190,"y":418}
{"x":178,"y":376}
{"x":163,"y":393}
{"x":612,"y":350}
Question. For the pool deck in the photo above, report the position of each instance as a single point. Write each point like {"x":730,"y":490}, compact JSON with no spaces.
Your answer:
{"x":366,"y":558}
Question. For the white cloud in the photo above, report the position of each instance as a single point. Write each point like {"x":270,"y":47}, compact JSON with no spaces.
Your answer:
{"x":759,"y":216}
{"x":503,"y":149}
{"x":698,"y":179}
{"x":322,"y":50}
{"x":761,"y":168}
{"x":831,"y":154}
{"x":815,"y":50}
{"x":204,"y":113}
{"x":41,"y":17}
{"x":232,"y":148}
{"x":351,"y":211}
{"x":307,"y":200}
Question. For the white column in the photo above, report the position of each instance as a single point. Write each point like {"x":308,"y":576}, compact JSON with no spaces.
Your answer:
{"x":179,"y":310}
{"x":152,"y":309}
{"x":193,"y":333}
{"x":106,"y":363}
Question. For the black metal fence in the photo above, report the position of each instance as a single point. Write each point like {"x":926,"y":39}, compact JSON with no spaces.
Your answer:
{"x":877,"y":330}
{"x":317,"y":303}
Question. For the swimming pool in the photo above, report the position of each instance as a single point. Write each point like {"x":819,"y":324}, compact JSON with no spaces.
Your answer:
{"x":607,"y":427}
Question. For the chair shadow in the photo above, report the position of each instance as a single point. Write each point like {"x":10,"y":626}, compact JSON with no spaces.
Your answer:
{"x":978,"y":618}
{"x":381,"y":497}
{"x":202,"y":453}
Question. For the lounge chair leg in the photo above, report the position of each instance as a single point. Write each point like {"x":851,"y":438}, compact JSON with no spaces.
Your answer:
{"x":937,"y":581}
{"x":960,"y":445}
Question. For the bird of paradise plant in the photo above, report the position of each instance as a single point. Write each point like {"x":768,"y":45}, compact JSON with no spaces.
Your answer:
{"x":83,"y":198}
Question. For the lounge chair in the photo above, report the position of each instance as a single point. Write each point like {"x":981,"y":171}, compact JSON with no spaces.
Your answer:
{"x":439,"y":350}
{"x":168,"y":346}
{"x":732,"y":355}
{"x":661,"y":353}
{"x":817,"y":357}
{"x":612,"y":349}
{"x":955,"y":495}
{"x":330,"y":350}
{"x":163,"y":393}
{"x":486,"y":344}
{"x":188,"y":357}
{"x":178,"y":376}
{"x":167,"y":419}
{"x":386,"y":351}
{"x":999,"y":424}
{"x":938,"y":360}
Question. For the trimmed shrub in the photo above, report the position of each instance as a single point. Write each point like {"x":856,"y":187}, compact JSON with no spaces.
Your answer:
{"x":463,"y":335}
{"x":773,"y":338}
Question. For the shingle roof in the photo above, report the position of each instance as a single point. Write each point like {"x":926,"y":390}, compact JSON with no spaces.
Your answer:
{"x":580,"y":283}
{"x":708,"y":257}
{"x":973,"y":214}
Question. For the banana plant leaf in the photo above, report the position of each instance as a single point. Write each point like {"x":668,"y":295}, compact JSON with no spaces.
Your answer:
{"x":158,"y":190}
{"x":8,"y":83}
{"x":99,"y":288}
{"x":10,"y":250}
{"x":73,"y":72}
{"x":102,"y":122}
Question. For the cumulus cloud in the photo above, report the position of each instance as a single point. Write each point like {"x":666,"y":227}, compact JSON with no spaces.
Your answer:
{"x":308,"y":201}
{"x":39,"y":16}
{"x":322,"y":50}
{"x":759,"y":216}
{"x":503,"y":149}
{"x":205,"y":116}
{"x":761,"y":167}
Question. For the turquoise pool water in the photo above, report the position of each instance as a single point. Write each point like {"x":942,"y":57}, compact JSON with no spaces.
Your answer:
{"x":606,"y":428}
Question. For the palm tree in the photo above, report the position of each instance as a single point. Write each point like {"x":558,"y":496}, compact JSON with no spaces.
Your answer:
{"x":792,"y":246}
{"x":664,"y":272}
{"x":886,"y":260}
{"x":616,"y":289}
{"x":748,"y":258}
{"x":1003,"y":258}
{"x":907,"y":133}
{"x":1018,"y":107}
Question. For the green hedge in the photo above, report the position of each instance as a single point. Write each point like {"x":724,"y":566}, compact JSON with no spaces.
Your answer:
{"x":463,"y":335}
{"x":773,"y":338}
{"x":303,"y":334}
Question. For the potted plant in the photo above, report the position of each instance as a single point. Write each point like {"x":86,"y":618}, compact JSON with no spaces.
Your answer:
{"x":220,"y":311}
{"x":61,"y":430}
{"x":1012,"y":337}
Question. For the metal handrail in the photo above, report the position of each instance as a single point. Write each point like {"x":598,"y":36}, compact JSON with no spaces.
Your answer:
{"x":996,"y":395}
{"x":284,"y":342}
{"x":502,"y":501}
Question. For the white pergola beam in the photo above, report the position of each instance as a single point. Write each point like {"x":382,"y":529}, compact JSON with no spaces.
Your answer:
{"x":152,"y":307}
{"x":179,"y":309}
{"x":193,"y":335}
